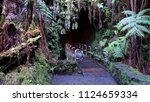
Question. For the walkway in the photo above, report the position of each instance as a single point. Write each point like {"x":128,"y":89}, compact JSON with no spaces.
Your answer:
{"x":92,"y":74}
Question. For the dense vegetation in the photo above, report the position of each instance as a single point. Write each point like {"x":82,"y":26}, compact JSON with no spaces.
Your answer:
{"x":33,"y":34}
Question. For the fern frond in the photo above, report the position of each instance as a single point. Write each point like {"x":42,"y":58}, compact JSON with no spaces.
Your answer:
{"x":127,"y":20}
{"x":131,"y":32}
{"x":143,"y":29}
{"x":45,"y":10}
{"x":128,"y":12}
{"x":143,"y":21}
{"x":143,"y":12}
{"x":128,"y":26}
{"x":138,"y":32}
{"x":136,"y":24}
{"x":143,"y":17}
{"x":26,"y":2}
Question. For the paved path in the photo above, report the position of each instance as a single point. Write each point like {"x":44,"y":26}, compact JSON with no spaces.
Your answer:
{"x":92,"y":74}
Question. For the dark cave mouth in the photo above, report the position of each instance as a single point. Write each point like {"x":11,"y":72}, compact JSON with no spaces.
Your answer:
{"x":85,"y":33}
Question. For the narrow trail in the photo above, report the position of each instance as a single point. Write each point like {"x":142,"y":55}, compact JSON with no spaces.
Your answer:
{"x":92,"y":74}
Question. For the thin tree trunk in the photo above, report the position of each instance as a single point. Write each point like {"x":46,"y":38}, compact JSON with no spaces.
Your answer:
{"x":135,"y":6}
{"x":131,"y":3}
{"x":128,"y":4}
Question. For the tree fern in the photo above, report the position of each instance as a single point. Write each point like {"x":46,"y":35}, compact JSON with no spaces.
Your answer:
{"x":128,"y":12}
{"x":142,"y":28}
{"x":143,"y":12}
{"x":126,"y":21}
{"x":135,"y":24}
{"x":40,"y":5}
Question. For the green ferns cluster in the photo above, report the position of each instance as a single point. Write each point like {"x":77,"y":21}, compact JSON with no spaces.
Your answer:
{"x":135,"y":25}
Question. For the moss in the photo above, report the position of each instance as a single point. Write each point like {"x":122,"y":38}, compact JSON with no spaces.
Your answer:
{"x":26,"y":75}
{"x":33,"y":74}
{"x":12,"y":79}
{"x":126,"y":75}
{"x":34,"y":32}
{"x":40,"y":72}
{"x":2,"y":77}
{"x":63,"y":68}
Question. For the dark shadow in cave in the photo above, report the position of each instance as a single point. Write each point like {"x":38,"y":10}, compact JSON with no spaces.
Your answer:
{"x":85,"y":33}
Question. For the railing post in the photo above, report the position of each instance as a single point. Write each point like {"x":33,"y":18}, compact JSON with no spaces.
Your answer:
{"x":73,"y":59}
{"x":85,"y":49}
{"x":82,"y":47}
{"x":89,"y":51}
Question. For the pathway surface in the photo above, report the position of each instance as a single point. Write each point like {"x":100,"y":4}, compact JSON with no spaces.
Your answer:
{"x":92,"y":74}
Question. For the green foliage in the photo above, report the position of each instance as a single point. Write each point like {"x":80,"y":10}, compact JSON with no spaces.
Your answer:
{"x":44,"y":10}
{"x":126,"y":75}
{"x":40,"y":72}
{"x":103,"y":42}
{"x":107,"y":12}
{"x":100,"y":42}
{"x":135,"y":24}
{"x":37,"y":72}
{"x":26,"y":75}
{"x":58,"y":22}
{"x":54,"y":39}
{"x":62,"y":68}
{"x":118,"y":48}
{"x":40,"y":75}
{"x":106,"y":48}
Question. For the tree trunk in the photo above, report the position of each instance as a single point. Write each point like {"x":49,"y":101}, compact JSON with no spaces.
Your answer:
{"x":135,"y":56}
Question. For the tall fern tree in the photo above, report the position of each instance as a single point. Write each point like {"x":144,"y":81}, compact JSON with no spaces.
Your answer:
{"x":136,"y":25}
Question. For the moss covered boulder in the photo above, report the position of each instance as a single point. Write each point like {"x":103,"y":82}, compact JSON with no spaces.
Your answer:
{"x":127,"y":75}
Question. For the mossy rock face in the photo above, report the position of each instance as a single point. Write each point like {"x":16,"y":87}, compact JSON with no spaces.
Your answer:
{"x":26,"y":74}
{"x":33,"y":74}
{"x":16,"y":77}
{"x":127,"y":75}
{"x":12,"y":79}
{"x":40,"y":72}
{"x":37,"y":73}
{"x":2,"y":77}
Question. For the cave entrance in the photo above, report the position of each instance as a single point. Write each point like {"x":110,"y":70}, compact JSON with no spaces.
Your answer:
{"x":85,"y":33}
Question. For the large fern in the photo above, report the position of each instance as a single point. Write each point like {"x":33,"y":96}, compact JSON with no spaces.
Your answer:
{"x":135,"y":24}
{"x":42,"y":7}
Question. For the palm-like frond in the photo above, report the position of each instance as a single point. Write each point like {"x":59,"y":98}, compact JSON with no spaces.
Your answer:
{"x":142,"y":28}
{"x":146,"y":17}
{"x":126,"y":21}
{"x":138,"y":32}
{"x":135,"y":24}
{"x":128,"y":26}
{"x":143,"y":21}
{"x":26,"y":2}
{"x":143,"y":12}
{"x":44,"y":9}
{"x":128,"y":12}
{"x":131,"y":32}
